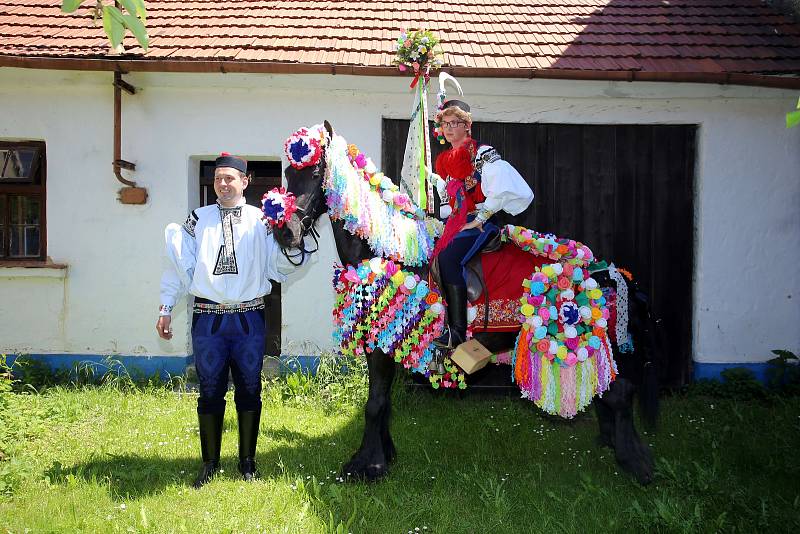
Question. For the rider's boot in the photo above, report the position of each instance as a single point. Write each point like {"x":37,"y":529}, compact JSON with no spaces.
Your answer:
{"x":455,"y":332}
{"x":210,"y":444}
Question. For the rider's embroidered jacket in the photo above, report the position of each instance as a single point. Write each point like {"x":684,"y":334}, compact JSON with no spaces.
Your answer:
{"x":226,"y":255}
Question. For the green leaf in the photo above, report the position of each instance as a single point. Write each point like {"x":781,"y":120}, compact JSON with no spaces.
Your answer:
{"x":113,"y":26}
{"x":135,"y":8}
{"x":137,"y":28}
{"x":129,"y":6}
{"x":792,"y":119}
{"x":141,"y":11}
{"x":69,"y":6}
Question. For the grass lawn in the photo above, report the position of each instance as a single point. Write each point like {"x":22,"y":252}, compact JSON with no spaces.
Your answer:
{"x":106,"y":459}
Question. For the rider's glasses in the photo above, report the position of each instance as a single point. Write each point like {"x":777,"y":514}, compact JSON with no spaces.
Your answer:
{"x":452,"y":125}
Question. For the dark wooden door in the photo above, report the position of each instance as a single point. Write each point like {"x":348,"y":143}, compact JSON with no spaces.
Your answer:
{"x":627,"y":191}
{"x":264,"y":176}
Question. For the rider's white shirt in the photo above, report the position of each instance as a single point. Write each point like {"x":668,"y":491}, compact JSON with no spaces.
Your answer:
{"x":226,"y":255}
{"x":505,"y":189}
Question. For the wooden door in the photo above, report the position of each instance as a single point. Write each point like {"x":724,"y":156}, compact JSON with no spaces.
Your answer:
{"x":627,"y":191}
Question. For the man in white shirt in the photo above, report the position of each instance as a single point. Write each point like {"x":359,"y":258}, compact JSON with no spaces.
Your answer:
{"x":224,"y":256}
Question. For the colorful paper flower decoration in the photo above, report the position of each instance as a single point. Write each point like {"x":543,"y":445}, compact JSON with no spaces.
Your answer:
{"x":278,"y":205}
{"x":381,"y":307}
{"x":563,"y":357}
{"x":304,"y":147}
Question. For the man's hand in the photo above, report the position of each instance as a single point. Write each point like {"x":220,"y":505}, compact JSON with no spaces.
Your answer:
{"x":476,"y":223}
{"x":441,"y":186}
{"x":164,"y":328}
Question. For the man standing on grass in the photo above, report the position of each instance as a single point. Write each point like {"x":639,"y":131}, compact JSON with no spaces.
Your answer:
{"x":224,"y":256}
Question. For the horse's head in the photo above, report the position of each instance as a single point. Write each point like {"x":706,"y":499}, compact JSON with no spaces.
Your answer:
{"x":305,"y":180}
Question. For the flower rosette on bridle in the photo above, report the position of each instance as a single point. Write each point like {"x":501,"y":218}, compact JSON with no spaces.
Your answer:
{"x":562,"y":357}
{"x":277,"y":206}
{"x":304,"y":147}
{"x":382,"y":307}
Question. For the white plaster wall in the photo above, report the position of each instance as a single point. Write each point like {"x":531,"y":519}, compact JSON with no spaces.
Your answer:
{"x":747,"y":217}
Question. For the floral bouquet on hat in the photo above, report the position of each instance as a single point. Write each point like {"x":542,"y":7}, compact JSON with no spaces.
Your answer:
{"x":418,"y":51}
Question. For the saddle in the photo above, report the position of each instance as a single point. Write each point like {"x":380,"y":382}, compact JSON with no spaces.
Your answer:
{"x":476,"y":284}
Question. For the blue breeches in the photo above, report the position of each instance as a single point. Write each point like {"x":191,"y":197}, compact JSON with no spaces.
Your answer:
{"x":229,"y":342}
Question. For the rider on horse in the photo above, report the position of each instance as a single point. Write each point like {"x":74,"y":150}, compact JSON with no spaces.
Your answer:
{"x":476,"y":183}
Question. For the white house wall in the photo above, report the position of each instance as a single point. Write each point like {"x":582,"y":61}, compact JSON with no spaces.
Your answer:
{"x":747,"y":181}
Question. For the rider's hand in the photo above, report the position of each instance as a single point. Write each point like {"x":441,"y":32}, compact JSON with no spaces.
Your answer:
{"x":476,"y":223}
{"x":441,"y":185}
{"x":164,"y":328}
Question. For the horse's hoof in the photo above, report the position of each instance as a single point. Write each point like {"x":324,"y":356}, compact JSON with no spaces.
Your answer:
{"x":359,"y":469}
{"x":639,"y":463}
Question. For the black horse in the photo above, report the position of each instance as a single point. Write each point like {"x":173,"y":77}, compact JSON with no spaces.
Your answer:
{"x":614,"y":409}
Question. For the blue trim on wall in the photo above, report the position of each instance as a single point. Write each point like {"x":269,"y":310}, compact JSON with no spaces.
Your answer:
{"x":713,"y":371}
{"x":306,"y":364}
{"x":144,"y":366}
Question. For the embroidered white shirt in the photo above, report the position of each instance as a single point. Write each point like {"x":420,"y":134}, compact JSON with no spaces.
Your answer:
{"x":226,"y":255}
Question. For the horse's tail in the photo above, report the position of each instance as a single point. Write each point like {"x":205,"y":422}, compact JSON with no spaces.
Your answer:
{"x":654,"y":353}
{"x":648,"y":395}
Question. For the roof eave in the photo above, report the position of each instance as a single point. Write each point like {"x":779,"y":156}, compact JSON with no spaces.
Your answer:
{"x":263,"y":67}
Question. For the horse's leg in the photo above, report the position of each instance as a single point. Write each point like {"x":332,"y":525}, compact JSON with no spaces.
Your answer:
{"x":389,"y":450}
{"x":370,"y":461}
{"x":605,"y":417}
{"x":632,"y":455}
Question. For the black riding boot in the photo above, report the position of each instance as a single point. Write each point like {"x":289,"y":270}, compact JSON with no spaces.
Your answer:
{"x":455,"y":332}
{"x":248,"y":436}
{"x":210,"y":443}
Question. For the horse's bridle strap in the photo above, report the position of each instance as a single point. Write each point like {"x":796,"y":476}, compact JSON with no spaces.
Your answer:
{"x":307,"y":228}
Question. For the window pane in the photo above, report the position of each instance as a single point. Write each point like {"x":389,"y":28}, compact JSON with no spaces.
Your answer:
{"x":24,"y":241}
{"x":31,"y":241}
{"x":16,"y":164}
{"x":24,"y":210}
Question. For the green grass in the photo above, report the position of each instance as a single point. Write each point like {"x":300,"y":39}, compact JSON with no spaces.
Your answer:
{"x":110,"y":459}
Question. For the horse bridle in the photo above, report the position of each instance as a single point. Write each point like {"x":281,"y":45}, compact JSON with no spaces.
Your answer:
{"x":306,"y":229}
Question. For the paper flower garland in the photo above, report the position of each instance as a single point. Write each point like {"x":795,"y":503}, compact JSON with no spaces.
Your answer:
{"x":277,"y":206}
{"x":304,"y":147}
{"x":372,"y":207}
{"x":548,"y":245}
{"x":381,"y":307}
{"x":562,"y":357}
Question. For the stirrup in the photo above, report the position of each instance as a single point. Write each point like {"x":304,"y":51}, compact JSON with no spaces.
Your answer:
{"x":447,"y":340}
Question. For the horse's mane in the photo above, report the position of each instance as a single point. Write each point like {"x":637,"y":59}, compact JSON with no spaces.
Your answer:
{"x":404,"y":235}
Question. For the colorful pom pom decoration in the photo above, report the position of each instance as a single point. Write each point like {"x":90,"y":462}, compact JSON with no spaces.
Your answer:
{"x":380,"y":306}
{"x":277,"y":205}
{"x":562,"y":357}
{"x":373,"y":208}
{"x":304,"y":147}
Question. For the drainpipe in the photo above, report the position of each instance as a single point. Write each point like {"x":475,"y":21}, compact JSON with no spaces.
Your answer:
{"x":130,"y":194}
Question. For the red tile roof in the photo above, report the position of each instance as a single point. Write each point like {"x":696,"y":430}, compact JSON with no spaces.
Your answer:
{"x":623,"y":39}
